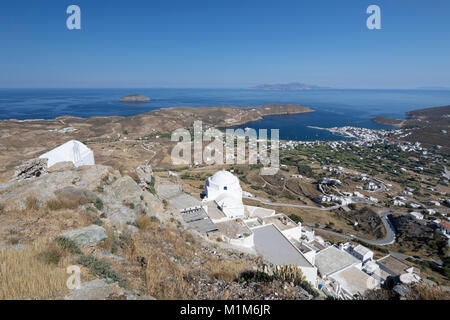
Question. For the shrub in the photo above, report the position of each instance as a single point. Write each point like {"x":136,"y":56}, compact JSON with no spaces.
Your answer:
{"x":97,"y":221}
{"x":151,"y":187}
{"x":110,"y":243}
{"x":51,"y":255}
{"x":2,"y":208}
{"x":143,"y":222}
{"x":295,"y":218}
{"x":289,"y":273}
{"x":101,"y":268}
{"x":58,"y":204}
{"x":254,"y":276}
{"x":32,"y":203}
{"x":68,"y":245}
{"x":98,"y":204}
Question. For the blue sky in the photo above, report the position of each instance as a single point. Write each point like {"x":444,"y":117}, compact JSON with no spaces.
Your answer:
{"x":192,"y":43}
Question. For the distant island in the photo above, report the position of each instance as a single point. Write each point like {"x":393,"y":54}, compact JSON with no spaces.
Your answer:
{"x":292,"y":86}
{"x":135,"y":98}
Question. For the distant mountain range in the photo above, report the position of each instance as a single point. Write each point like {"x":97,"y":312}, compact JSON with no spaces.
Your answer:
{"x":292,"y":86}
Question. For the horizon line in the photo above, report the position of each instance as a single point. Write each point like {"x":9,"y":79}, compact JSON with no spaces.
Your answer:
{"x":434,"y":88}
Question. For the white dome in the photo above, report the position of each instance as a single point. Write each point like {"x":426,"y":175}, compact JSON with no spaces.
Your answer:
{"x":223,"y":178}
{"x":224,"y":188}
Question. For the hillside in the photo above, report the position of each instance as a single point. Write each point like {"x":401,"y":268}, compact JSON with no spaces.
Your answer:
{"x":119,"y":232}
{"x":429,"y":126}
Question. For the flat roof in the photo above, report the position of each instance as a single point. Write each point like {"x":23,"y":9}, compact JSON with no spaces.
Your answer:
{"x":394,"y":265}
{"x":176,"y":197}
{"x":316,"y":245}
{"x":355,"y":281}
{"x":259,"y":212}
{"x":361,"y":250}
{"x":331,"y":259}
{"x":281,"y":221}
{"x":232,"y":228}
{"x":198,"y":220}
{"x":275,"y":247}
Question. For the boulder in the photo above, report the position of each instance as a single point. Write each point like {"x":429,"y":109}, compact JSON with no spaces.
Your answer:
{"x":61,"y":166}
{"x":30,"y":169}
{"x":98,"y":289}
{"x":126,"y":190}
{"x":86,"y":236}
{"x":144,"y":173}
{"x":401,"y":289}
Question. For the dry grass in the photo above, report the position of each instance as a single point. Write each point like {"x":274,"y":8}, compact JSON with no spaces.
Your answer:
{"x":423,"y":291}
{"x":58,"y":204}
{"x":167,"y":255}
{"x":144,"y":222}
{"x":224,"y":270}
{"x":24,"y":276}
{"x":32,"y":203}
{"x":110,"y":243}
{"x":164,"y":278}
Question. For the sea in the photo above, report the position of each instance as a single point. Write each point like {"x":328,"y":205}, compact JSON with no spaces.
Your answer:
{"x":333,"y":107}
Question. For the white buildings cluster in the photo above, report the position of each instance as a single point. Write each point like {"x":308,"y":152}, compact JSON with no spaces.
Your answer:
{"x":343,"y":271}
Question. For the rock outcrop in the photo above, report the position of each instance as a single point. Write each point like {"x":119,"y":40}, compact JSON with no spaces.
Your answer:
{"x":144,"y":173}
{"x":30,"y":169}
{"x":86,"y":236}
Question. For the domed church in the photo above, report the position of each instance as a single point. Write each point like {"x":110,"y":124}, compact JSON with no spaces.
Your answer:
{"x":224,"y":188}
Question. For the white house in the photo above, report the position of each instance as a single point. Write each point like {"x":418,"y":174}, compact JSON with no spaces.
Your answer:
{"x":370,"y":186}
{"x":72,"y":151}
{"x":415,"y":215}
{"x":362,"y":253}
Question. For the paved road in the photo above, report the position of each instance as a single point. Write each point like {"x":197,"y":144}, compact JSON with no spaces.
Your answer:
{"x":388,"y":239}
{"x":291,"y":205}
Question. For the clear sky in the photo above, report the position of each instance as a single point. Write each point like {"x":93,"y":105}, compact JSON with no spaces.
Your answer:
{"x":190,"y":43}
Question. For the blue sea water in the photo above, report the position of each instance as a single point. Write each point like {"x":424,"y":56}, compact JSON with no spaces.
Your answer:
{"x":334,"y":107}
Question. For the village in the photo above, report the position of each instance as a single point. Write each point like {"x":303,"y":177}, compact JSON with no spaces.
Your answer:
{"x":345,"y":271}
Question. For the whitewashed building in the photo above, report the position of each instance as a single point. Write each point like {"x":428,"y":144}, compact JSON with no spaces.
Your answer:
{"x":72,"y":151}
{"x":224,"y":188}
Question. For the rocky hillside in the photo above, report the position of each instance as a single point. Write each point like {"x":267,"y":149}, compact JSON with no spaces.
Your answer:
{"x":418,"y":236}
{"x":128,"y":243}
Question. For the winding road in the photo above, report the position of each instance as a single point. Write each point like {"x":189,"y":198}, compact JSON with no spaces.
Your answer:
{"x":276,"y":204}
{"x":388,"y":239}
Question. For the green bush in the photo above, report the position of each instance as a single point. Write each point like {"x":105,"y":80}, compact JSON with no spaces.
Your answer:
{"x":68,"y":245}
{"x":101,"y":268}
{"x":254,"y":276}
{"x":295,"y":218}
{"x":98,"y":204}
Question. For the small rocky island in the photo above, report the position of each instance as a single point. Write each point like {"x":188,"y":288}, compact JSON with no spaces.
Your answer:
{"x":135,"y":98}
